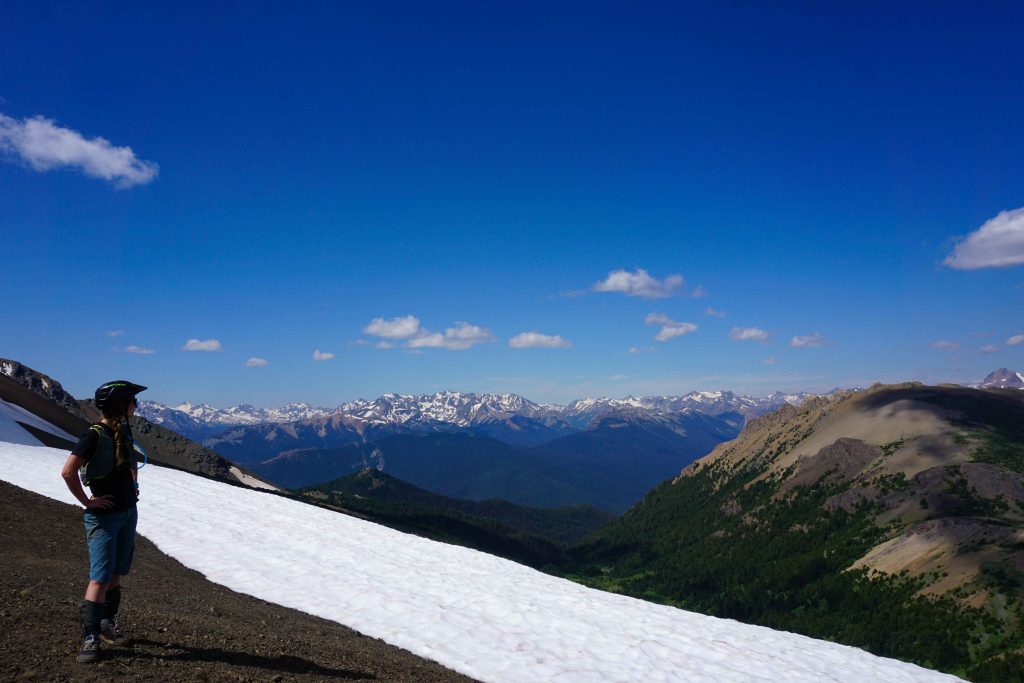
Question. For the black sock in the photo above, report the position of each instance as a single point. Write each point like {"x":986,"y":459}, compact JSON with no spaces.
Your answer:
{"x":90,"y":613}
{"x":112,"y":603}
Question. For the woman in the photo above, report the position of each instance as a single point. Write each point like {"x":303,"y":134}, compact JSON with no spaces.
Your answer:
{"x":105,"y":461}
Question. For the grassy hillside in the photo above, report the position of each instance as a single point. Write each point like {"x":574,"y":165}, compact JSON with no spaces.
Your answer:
{"x":889,"y":520}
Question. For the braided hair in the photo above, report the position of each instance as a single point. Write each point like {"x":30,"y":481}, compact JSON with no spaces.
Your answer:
{"x":115,"y":412}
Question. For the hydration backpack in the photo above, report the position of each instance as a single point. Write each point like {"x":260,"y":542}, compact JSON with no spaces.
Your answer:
{"x":102,"y":461}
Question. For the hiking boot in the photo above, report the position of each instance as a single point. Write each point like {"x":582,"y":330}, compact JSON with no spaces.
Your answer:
{"x":110,"y":633}
{"x":90,"y":651}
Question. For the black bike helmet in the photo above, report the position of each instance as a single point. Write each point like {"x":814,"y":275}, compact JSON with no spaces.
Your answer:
{"x":116,"y":390}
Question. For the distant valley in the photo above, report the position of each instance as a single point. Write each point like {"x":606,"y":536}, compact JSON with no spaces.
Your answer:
{"x":610,"y":465}
{"x":527,"y":535}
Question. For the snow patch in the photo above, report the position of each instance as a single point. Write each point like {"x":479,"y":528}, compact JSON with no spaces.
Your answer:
{"x":250,"y":480}
{"x":12,"y":432}
{"x":15,"y":413}
{"x":486,"y":617}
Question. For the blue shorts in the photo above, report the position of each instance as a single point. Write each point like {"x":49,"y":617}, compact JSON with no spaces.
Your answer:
{"x":111,"y":539}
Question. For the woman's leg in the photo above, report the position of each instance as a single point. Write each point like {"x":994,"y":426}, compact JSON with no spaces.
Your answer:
{"x":101,"y":564}
{"x":96,"y":591}
{"x":102,"y":537}
{"x":109,"y":631}
{"x":123,"y":554}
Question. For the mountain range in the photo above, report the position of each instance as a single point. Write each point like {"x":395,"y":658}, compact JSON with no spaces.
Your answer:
{"x":424,"y":412}
{"x":610,"y":465}
{"x":479,"y":447}
{"x":602,"y":452}
{"x":407,"y":413}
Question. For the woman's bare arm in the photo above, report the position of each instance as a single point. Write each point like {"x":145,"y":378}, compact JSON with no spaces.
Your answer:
{"x":70,"y":474}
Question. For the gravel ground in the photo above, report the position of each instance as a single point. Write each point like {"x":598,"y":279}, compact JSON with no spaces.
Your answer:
{"x":183,"y":627}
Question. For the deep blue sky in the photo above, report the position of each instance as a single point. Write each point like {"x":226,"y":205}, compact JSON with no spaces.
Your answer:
{"x":809,"y":166}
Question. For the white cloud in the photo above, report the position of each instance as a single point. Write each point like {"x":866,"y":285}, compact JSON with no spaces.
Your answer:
{"x":318,"y":356}
{"x":429,"y":340}
{"x":642,"y":349}
{"x":460,"y":337}
{"x":772,"y":360}
{"x":748,"y":334}
{"x":396,"y":328}
{"x":669,"y":328}
{"x":139,"y":350}
{"x":808,"y":341}
{"x":713,"y":313}
{"x":413,"y":335}
{"x":989,"y":348}
{"x":619,"y":378}
{"x":44,"y":146}
{"x":1015,"y":339}
{"x":255,"y":362}
{"x":996,"y":244}
{"x":946,"y":345}
{"x":639,"y":283}
{"x":699,"y":292}
{"x":115,"y":333}
{"x":196,"y":345}
{"x":669,"y":331}
{"x":533,"y":340}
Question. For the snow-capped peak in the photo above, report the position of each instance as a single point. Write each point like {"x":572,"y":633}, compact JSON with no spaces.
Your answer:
{"x":243,"y":414}
{"x":462,"y":409}
{"x":1002,"y":379}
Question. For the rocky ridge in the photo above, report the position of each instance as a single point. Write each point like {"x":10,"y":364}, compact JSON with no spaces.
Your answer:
{"x":42,"y":385}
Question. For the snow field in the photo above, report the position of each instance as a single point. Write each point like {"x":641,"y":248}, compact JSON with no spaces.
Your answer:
{"x":12,"y":432}
{"x":486,"y":617}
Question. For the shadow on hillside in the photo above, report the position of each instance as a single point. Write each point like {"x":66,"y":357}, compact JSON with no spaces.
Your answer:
{"x":998,"y":409}
{"x":175,"y":652}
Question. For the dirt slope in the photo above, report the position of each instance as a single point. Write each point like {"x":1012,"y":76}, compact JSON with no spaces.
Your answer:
{"x":184,"y":627}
